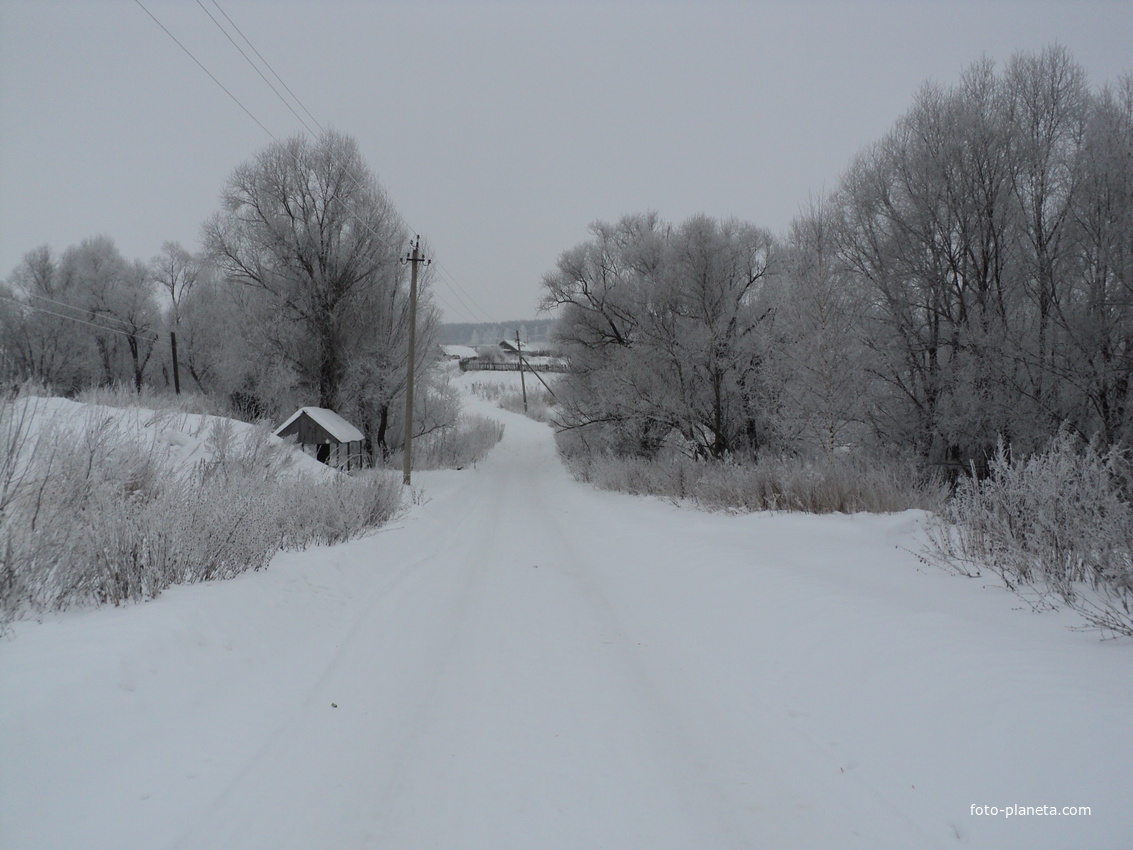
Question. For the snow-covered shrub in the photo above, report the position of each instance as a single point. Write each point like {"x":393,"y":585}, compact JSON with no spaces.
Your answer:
{"x":822,"y":485}
{"x":123,"y":396}
{"x":539,"y":404}
{"x":488,"y":390}
{"x":333,"y":510}
{"x":96,"y":513}
{"x":826,"y":484}
{"x":72,"y":524}
{"x":251,"y":453}
{"x":1058,"y":524}
{"x":455,"y":446}
{"x":539,"y":400}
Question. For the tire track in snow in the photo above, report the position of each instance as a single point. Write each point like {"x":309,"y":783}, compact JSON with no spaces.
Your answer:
{"x":384,"y":659}
{"x":769,"y":791}
{"x":497,"y":694}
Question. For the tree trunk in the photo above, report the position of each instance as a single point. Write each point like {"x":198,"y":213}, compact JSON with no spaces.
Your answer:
{"x":383,"y":427}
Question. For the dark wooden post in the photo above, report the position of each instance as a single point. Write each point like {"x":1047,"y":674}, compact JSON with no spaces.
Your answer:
{"x":176,"y":370}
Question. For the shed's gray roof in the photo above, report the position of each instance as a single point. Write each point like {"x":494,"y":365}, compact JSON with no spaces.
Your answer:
{"x":329,"y":421}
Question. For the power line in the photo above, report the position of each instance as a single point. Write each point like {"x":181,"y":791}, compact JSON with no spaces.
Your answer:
{"x":255,"y":67}
{"x":306,"y":127}
{"x":247,"y":111}
{"x":189,"y":53}
{"x":108,"y":316}
{"x":137,"y":334}
{"x":480,"y":309}
{"x":267,"y":64}
{"x":455,"y":286}
{"x":128,"y":328}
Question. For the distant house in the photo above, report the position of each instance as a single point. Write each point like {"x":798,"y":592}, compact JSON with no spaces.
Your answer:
{"x":459,"y":352}
{"x":326,"y":436}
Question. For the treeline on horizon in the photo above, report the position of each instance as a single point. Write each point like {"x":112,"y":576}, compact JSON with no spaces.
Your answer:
{"x":490,"y":333}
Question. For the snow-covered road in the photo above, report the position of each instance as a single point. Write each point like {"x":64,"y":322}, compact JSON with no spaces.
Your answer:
{"x":524,"y":662}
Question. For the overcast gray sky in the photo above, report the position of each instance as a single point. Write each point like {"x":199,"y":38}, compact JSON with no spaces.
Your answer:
{"x":500,"y":129}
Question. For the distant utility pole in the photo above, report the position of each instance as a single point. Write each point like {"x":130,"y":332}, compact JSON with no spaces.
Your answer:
{"x":522,"y":382}
{"x":176,"y":368}
{"x":413,"y":259}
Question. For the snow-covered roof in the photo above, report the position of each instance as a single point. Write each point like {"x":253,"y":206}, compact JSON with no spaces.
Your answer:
{"x":461,"y":351}
{"x":329,"y":421}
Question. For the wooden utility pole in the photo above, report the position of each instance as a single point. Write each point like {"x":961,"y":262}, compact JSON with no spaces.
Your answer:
{"x":413,"y":259}
{"x":176,"y":369}
{"x":522,"y":382}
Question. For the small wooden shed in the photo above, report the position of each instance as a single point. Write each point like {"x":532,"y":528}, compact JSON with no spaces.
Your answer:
{"x":326,"y":436}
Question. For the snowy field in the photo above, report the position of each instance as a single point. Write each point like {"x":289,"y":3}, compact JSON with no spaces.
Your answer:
{"x":522,"y":661}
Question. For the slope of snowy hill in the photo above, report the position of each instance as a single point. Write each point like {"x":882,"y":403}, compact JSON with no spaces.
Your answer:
{"x":184,"y":439}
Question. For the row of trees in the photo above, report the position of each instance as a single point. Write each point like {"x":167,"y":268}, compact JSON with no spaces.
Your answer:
{"x":970,"y":279}
{"x":299,"y":297}
{"x":84,"y":318}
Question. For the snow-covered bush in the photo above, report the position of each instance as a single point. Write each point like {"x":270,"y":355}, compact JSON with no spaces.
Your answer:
{"x":539,"y":400}
{"x":463,"y":443}
{"x":334,"y":510}
{"x":123,"y":396}
{"x":94,"y":512}
{"x":1058,"y":525}
{"x":826,"y":484}
{"x":822,"y":485}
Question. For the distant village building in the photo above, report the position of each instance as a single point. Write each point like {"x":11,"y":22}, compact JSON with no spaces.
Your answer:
{"x":505,"y":357}
{"x":326,"y":436}
{"x":459,"y":352}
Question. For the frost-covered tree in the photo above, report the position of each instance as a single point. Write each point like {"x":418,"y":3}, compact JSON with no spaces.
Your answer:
{"x":593,"y":289}
{"x":316,"y":243}
{"x":40,"y":338}
{"x":176,"y":272}
{"x":140,"y":316}
{"x":118,"y":299}
{"x":928,"y":210}
{"x":88,"y":318}
{"x":821,"y":372}
{"x":707,"y":325}
{"x":1094,"y":315}
{"x":306,"y":224}
{"x":1047,"y":100}
{"x":661,"y":325}
{"x":990,"y":235}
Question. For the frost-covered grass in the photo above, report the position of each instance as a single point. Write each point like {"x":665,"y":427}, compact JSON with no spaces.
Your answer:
{"x":149,"y":399}
{"x":826,"y":485}
{"x":1057,"y":527}
{"x":453,"y":437}
{"x":461,"y":444}
{"x":510,"y":398}
{"x":463,"y":438}
{"x":102,"y":505}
